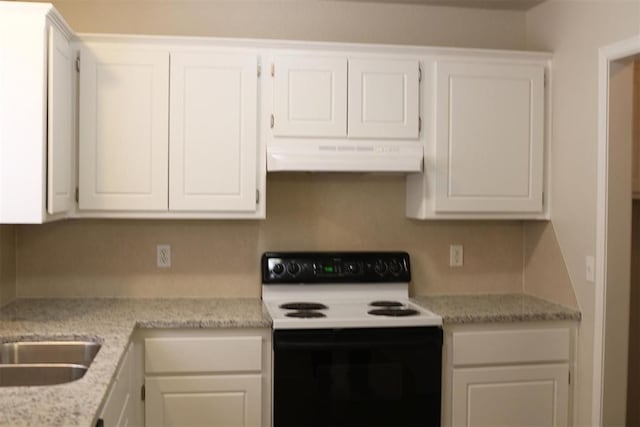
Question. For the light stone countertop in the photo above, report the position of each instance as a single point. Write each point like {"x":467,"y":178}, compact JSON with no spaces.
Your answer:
{"x":462,"y":309}
{"x":111,"y":321}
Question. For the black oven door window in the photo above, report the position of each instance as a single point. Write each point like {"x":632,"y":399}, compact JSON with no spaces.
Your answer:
{"x":387,"y":377}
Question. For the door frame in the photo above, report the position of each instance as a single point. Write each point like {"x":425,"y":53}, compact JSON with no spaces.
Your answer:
{"x":606,"y":56}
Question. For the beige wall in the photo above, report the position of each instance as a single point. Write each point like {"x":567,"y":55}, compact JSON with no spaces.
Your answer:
{"x":7,"y":264}
{"x":301,"y":20}
{"x":304,"y":211}
{"x":545,"y":272}
{"x":221,"y":258}
{"x":574,"y":30}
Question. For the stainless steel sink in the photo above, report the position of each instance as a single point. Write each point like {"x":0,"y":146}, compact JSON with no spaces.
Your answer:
{"x":31,"y":363}
{"x":39,"y":374}
{"x":69,"y":352}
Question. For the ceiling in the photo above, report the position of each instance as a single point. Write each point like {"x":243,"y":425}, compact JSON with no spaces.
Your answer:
{"x":481,"y":4}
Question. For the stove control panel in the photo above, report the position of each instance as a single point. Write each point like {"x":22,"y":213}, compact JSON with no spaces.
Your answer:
{"x":335,"y":267}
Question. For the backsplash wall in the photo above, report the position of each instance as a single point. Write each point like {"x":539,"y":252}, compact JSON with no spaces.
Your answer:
{"x":7,"y":264}
{"x":221,"y":258}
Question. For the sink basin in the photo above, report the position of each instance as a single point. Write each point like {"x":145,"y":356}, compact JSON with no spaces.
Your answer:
{"x":39,"y":374}
{"x":67,"y":352}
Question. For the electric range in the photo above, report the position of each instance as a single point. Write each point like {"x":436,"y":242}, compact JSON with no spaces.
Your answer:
{"x":350,"y":348}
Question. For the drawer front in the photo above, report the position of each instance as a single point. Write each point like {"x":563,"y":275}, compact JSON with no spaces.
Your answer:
{"x":197,"y":355}
{"x":512,"y":346}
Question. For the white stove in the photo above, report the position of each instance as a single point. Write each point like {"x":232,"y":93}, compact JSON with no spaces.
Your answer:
{"x":341,"y":290}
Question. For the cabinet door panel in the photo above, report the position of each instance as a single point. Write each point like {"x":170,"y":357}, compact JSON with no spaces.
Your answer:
{"x":124,"y":99}
{"x":489,"y":137}
{"x":213,"y":132}
{"x":214,"y":401}
{"x":310,"y":96}
{"x":511,"y":396}
{"x":383,"y":99}
{"x":60,"y":139}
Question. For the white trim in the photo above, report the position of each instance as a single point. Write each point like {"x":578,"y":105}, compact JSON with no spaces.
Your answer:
{"x":607,"y":55}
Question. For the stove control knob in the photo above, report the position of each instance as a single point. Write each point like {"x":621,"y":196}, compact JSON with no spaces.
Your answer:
{"x":380,"y":267}
{"x":395,"y":267}
{"x":278,"y":269}
{"x":293,"y":268}
{"x":352,"y":267}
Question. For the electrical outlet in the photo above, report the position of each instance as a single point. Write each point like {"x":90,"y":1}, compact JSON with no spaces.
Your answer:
{"x":163,"y":256}
{"x":456,"y":256}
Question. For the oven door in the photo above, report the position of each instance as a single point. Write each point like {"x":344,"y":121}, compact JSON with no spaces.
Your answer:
{"x":357,"y":377}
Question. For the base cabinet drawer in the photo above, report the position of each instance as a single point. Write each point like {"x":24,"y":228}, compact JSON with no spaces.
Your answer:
{"x":214,"y":401}
{"x":511,"y":396}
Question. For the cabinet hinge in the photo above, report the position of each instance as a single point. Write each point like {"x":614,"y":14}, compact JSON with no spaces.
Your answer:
{"x":273,"y":70}
{"x":259,"y":70}
{"x":78,"y":63}
{"x":273,"y":121}
{"x":77,"y":195}
{"x":419,"y":74}
{"x":545,"y":80}
{"x":257,"y":196}
{"x":543,"y":198}
{"x":419,"y":124}
{"x":569,"y":377}
{"x":143,"y":393}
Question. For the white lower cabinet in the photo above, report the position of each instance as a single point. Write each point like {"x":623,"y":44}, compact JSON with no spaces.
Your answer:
{"x":211,"y":400}
{"x":508,"y":376}
{"x":219,"y":378}
{"x":511,"y":396}
{"x":118,"y":410}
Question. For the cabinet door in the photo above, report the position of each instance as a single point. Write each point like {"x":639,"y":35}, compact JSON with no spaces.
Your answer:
{"x":124,"y":127}
{"x":511,"y":396}
{"x":489,"y":137}
{"x":59,"y":138}
{"x":310,"y":96}
{"x":213,"y":139}
{"x":383,"y":99}
{"x":118,"y":409}
{"x":214,"y":401}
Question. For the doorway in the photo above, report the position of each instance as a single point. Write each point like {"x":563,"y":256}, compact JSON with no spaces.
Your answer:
{"x":614,"y":347}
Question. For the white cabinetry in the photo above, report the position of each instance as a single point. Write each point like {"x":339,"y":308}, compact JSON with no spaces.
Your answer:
{"x":124,"y":101}
{"x":508,"y":376}
{"x":119,"y":408}
{"x":310,"y":96}
{"x":340,"y":97}
{"x":213,"y":132}
{"x":218,"y":378}
{"x":384,"y":98}
{"x":168,"y":131}
{"x":485,"y":156}
{"x":36,"y":114}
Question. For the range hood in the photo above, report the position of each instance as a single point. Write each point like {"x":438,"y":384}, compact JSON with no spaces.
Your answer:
{"x":310,"y":156}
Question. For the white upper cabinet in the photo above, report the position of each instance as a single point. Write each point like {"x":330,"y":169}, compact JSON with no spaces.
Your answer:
{"x":383,"y":98}
{"x":168,"y":131}
{"x":310,"y":96}
{"x":340,"y":97}
{"x":124,"y":126}
{"x":36,"y":114}
{"x":213,"y":119}
{"x":489,"y":137}
{"x":60,"y":112}
{"x":485,"y":155}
